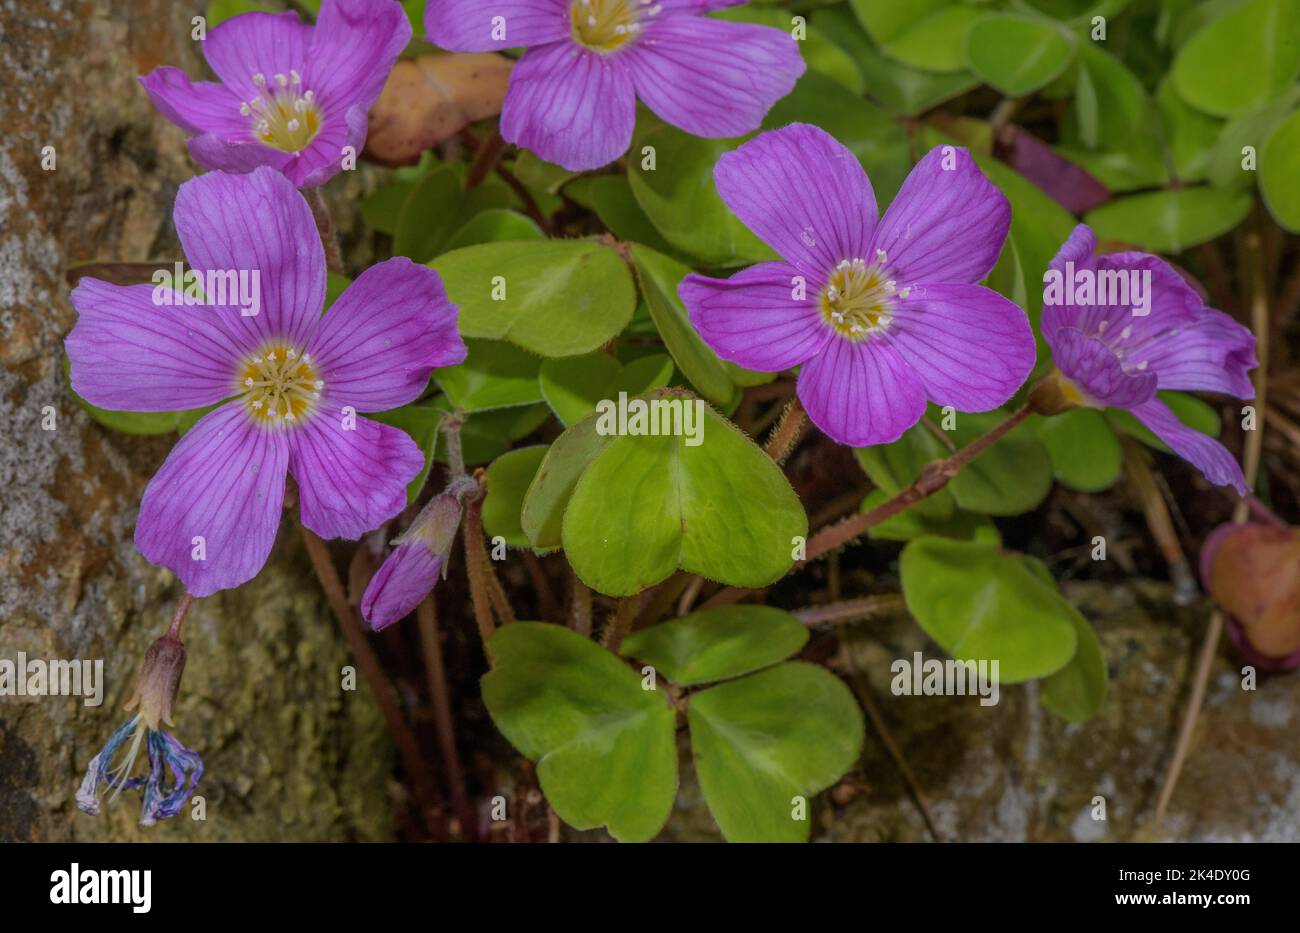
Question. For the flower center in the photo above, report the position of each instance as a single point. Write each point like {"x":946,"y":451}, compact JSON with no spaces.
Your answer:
{"x":283,"y":115}
{"x":608,"y":25}
{"x":280,"y":384}
{"x":859,"y":299}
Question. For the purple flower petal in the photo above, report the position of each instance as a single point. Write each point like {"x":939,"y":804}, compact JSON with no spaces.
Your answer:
{"x":256,"y":43}
{"x":257,"y":222}
{"x":753,"y":319}
{"x":406,"y":577}
{"x":710,"y":77}
{"x":947,"y":224}
{"x":804,"y":194}
{"x":323,"y":158}
{"x":1078,"y":250}
{"x":570,"y":106}
{"x":1200,"y":450}
{"x":218,"y":154}
{"x":385,"y":334}
{"x":211,"y":512}
{"x":861,"y":393}
{"x":352,"y":50}
{"x":130,"y":354}
{"x":352,"y":472}
{"x":198,"y":107}
{"x":970,"y":347}
{"x":467,"y":25}
{"x":1094,"y":368}
{"x":1212,"y":354}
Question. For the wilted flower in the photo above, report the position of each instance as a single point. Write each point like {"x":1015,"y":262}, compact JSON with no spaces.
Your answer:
{"x":290,"y":381}
{"x":155,"y":694}
{"x":411,"y":571}
{"x":292,"y":96}
{"x":1253,"y":573}
{"x":572,"y":97}
{"x":881,"y":317}
{"x":1108,"y":355}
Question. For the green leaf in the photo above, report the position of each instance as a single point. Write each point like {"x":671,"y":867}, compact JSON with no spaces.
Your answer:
{"x":717,"y":644}
{"x":658,"y":277}
{"x":221,"y":10}
{"x":574,"y":386}
{"x":1018,"y":54}
{"x":1191,"y":134}
{"x":494,"y":375}
{"x":1011,"y":477}
{"x":494,"y":226}
{"x":610,"y":196}
{"x":552,"y":297}
{"x":420,"y":422}
{"x":1225,"y":162}
{"x":1241,"y":60}
{"x":508,"y":479}
{"x":679,"y":197}
{"x":1170,"y":221}
{"x":1085,"y":452}
{"x":762,"y":741}
{"x":1190,"y":410}
{"x":899,"y":88}
{"x":930,"y":35}
{"x":604,"y":747}
{"x":539,"y":174}
{"x":382,"y":209}
{"x":649,"y":505}
{"x":132,"y":422}
{"x":425,"y":219}
{"x":1076,"y":691}
{"x":1279,"y":173}
{"x":549,"y":493}
{"x":980,"y":604}
{"x":1112,"y":110}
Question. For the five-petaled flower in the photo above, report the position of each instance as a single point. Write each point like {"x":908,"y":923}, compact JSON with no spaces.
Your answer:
{"x":290,"y":382}
{"x":572,"y":97}
{"x":880,"y":317}
{"x":1108,"y":356}
{"x":291,"y":96}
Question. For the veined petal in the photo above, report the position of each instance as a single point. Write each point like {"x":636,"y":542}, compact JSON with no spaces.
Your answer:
{"x":710,"y":77}
{"x":472,"y":25}
{"x":405,"y":578}
{"x":1077,"y":250}
{"x":1212,"y":354}
{"x":352,"y":50}
{"x":804,"y":194}
{"x":211,"y":512}
{"x":861,"y":393}
{"x":947,"y":224}
{"x":1200,"y":450}
{"x":129,"y":353}
{"x":970,"y":347}
{"x":339,"y":134}
{"x":352,"y":472}
{"x":753,"y":318}
{"x":257,"y":222}
{"x":219,"y":154}
{"x":196,"y":106}
{"x":570,"y":106}
{"x":385,"y":334}
{"x":1094,"y":368}
{"x":256,"y":43}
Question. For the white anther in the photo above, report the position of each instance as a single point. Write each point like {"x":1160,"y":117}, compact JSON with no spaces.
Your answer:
{"x":259,"y":79}
{"x":1126,"y":333}
{"x":245,"y":110}
{"x":880,"y":256}
{"x":905,"y":291}
{"x":281,"y":80}
{"x":295,"y":77}
{"x":292,"y":126}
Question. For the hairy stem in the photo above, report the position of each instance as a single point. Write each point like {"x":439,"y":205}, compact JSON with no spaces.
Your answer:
{"x":579,"y":605}
{"x":476,"y":565}
{"x":851,"y":610}
{"x":786,"y":435}
{"x":426,"y":617}
{"x":618,"y":627}
{"x":178,"y":617}
{"x":329,"y":235}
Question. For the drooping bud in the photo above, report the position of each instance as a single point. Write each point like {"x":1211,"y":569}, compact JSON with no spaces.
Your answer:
{"x":158,"y":681}
{"x":1253,"y":573}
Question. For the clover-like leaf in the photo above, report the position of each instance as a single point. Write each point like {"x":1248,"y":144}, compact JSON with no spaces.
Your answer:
{"x":765,"y":744}
{"x":603,"y":744}
{"x":980,"y":604}
{"x":649,"y":505}
{"x":508,"y":479}
{"x":715,"y":644}
{"x":574,"y":386}
{"x":494,"y":374}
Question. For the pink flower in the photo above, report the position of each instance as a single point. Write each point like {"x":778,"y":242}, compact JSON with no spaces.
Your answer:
{"x":289,"y":382}
{"x":572,"y":97}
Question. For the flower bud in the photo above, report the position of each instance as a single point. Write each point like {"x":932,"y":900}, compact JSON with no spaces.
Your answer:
{"x":158,"y":681}
{"x":1253,"y":573}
